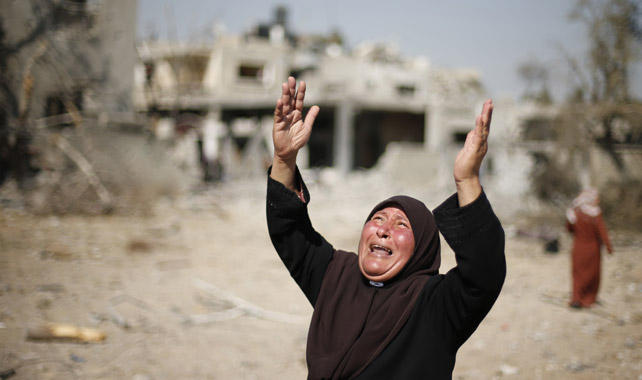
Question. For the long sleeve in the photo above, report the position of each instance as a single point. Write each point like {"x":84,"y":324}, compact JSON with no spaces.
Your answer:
{"x":603,"y":233}
{"x":570,"y":227}
{"x":469,"y":290}
{"x":304,"y":252}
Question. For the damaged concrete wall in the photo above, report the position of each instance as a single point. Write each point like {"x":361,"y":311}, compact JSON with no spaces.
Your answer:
{"x":116,"y":21}
{"x":70,"y":49}
{"x":378,"y":109}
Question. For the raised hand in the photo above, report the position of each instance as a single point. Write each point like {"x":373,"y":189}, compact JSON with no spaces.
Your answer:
{"x":291,"y":132}
{"x":470,"y":157}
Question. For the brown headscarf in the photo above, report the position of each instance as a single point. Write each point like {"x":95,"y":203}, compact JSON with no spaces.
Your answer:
{"x":354,"y":321}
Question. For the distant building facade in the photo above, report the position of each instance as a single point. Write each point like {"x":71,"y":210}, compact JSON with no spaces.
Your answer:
{"x":369,"y":97}
{"x":374,"y":103}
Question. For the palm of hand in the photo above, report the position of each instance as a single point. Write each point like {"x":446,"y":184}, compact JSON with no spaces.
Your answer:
{"x":291,"y":132}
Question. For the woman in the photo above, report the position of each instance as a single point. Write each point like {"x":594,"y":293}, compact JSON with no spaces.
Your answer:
{"x":387,"y":313}
{"x":584,"y":220}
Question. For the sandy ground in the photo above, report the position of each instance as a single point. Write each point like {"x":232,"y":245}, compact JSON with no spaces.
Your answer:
{"x":197,"y":292}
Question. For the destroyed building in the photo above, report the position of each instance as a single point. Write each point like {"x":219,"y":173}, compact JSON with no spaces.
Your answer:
{"x":378,"y":109}
{"x":67,"y":69}
{"x":370,"y":97}
{"x":212,"y":103}
{"x":73,"y":52}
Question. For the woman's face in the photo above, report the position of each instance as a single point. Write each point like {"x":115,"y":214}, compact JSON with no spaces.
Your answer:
{"x":386,"y":244}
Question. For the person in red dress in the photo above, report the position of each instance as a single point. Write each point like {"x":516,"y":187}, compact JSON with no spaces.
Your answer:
{"x":584,"y":220}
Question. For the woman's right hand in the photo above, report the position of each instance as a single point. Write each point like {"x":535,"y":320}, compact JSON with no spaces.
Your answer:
{"x":290,"y":132}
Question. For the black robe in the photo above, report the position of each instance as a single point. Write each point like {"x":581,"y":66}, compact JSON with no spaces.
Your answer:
{"x":447,"y":310}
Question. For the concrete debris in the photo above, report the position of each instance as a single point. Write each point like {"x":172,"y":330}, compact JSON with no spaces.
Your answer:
{"x":64,"y":332}
{"x":507,"y":370}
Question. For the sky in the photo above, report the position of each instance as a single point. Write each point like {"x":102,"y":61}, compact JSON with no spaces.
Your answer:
{"x":493,"y":36}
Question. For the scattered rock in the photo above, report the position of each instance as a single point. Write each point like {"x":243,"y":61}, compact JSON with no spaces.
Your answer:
{"x":43,"y":304}
{"x":51,"y":288}
{"x":7,"y":374}
{"x":170,"y":265}
{"x":56,"y":253}
{"x":139,"y":246}
{"x":507,"y":370}
{"x":576,"y":366}
{"x":141,"y":377}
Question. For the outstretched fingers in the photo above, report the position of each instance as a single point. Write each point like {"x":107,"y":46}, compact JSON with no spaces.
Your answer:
{"x":291,"y":94}
{"x":482,"y":124}
{"x":311,"y":117}
{"x":300,"y":96}
{"x":287,"y":94}
{"x":292,"y":86}
{"x":283,"y":105}
{"x":278,"y":111}
{"x":291,"y":100}
{"x":487,"y":112}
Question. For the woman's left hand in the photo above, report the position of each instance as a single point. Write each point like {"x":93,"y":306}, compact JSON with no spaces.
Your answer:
{"x":470,"y":157}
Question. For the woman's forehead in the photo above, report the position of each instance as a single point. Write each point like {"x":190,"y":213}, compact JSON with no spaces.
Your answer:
{"x":392,"y":210}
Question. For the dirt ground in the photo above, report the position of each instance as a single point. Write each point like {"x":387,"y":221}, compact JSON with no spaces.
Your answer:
{"x":196,"y":291}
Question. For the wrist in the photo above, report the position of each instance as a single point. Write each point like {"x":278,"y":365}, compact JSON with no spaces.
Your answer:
{"x":468,"y":190}
{"x":284,"y":171}
{"x":289,"y":162}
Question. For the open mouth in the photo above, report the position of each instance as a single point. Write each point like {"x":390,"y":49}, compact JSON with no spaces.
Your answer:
{"x":375,"y":248}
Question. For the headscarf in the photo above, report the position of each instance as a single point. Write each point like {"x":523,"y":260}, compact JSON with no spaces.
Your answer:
{"x":353,"y":321}
{"x":587,"y":202}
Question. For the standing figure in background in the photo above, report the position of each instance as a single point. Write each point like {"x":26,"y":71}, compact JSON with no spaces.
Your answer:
{"x":584,"y":220}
